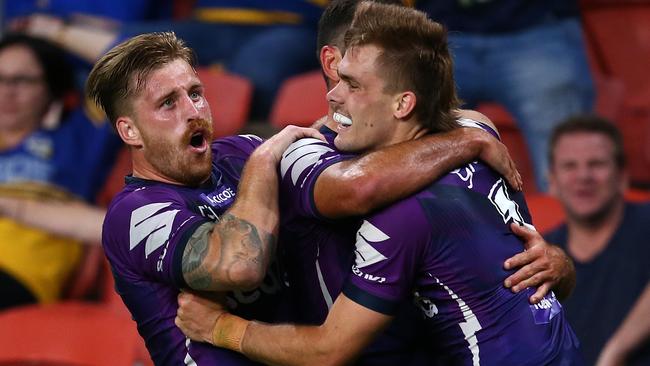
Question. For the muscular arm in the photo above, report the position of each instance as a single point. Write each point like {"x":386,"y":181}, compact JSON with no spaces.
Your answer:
{"x":75,"y":220}
{"x":632,"y":333}
{"x":357,"y":186}
{"x":235,"y":253}
{"x":349,"y":327}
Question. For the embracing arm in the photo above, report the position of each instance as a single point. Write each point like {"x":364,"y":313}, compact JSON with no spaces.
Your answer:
{"x":357,"y":186}
{"x":235,"y":253}
{"x":349,"y":327}
{"x":542,"y":265}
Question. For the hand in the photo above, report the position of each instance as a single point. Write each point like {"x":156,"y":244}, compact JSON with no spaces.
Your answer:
{"x":495,"y":154}
{"x":197,"y":315}
{"x":541,"y":265}
{"x":278,"y":143}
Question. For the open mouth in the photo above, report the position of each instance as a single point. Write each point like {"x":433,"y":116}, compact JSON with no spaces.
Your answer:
{"x":198,"y":140}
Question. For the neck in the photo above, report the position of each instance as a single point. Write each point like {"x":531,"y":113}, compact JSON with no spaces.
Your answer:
{"x":588,"y":237}
{"x":10,"y":138}
{"x":144,"y":170}
{"x":406,"y":130}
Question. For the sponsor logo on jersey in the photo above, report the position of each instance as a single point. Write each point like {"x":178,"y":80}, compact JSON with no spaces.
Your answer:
{"x":466,"y":174}
{"x":302,"y":155}
{"x":366,"y":254}
{"x":217,"y":199}
{"x":153,"y":223}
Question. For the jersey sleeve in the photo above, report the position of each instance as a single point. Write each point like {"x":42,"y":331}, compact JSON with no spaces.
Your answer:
{"x":231,"y":153}
{"x":389,"y":248}
{"x":145,"y":234}
{"x":301,"y":165}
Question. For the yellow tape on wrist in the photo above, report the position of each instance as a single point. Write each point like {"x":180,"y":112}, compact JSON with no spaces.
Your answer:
{"x":228,"y":331}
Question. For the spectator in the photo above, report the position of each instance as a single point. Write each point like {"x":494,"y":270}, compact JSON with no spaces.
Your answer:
{"x":263,"y":41}
{"x":60,"y":165}
{"x":528,"y":56}
{"x":607,"y":239}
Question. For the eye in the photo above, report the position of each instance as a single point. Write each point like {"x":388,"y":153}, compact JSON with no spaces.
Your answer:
{"x":195,"y":95}
{"x":169,"y":102}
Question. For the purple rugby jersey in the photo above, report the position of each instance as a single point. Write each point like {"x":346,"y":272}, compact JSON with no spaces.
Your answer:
{"x":444,"y":247}
{"x":145,"y":231}
{"x":317,"y":254}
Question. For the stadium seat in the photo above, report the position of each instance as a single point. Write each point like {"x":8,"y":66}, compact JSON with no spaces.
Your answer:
{"x":623,"y":55}
{"x":229,"y":96}
{"x":300,"y":101}
{"x":637,"y":195}
{"x":511,"y":136}
{"x":69,"y":334}
{"x":546,"y":210}
{"x":83,"y":281}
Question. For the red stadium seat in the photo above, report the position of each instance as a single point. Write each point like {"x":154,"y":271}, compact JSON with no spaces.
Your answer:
{"x":300,"y":101}
{"x":546,"y":210}
{"x":229,"y":96}
{"x":511,"y":136}
{"x":83,"y":281}
{"x":69,"y":334}
{"x":623,"y":55}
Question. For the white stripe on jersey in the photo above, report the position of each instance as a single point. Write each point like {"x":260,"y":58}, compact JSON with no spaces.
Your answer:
{"x":146,"y":222}
{"x":188,"y":359}
{"x":469,"y":327}
{"x":323,"y":288}
{"x":301,"y":155}
{"x":366,"y":254}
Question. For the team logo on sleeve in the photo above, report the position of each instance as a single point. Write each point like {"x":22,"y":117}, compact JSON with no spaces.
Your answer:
{"x":148,"y":222}
{"x":366,"y":254}
{"x":302,"y":155}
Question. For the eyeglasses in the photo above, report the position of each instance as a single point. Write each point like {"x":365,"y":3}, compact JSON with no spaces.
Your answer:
{"x":20,"y":81}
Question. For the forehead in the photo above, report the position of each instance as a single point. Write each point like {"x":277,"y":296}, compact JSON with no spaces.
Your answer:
{"x":577,"y":145}
{"x":174,"y":75}
{"x":360,"y":61}
{"x":18,"y":58}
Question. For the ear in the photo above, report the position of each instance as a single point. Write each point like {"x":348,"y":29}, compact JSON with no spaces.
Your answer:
{"x":128,"y":131}
{"x":404,"y":105}
{"x":330,"y":57}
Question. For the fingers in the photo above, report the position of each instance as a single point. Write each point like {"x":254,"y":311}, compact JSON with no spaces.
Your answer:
{"x":519,"y":278}
{"x":528,"y":235}
{"x":540,"y":293}
{"x":518,"y":260}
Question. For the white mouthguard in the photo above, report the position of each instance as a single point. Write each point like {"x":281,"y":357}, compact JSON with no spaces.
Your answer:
{"x":345,"y":121}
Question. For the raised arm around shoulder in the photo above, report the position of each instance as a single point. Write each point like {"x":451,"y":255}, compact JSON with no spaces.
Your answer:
{"x":360,"y":185}
{"x":235,"y":253}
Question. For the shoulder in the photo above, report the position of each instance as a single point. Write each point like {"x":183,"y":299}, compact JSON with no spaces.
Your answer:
{"x":135,"y":199}
{"x":304,"y":154}
{"x":235,"y":146}
{"x":405,"y":218}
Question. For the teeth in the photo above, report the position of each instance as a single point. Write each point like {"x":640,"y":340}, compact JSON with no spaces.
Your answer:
{"x":345,"y":121}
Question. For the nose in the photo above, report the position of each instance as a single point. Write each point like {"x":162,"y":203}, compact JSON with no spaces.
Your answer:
{"x":194,"y":109}
{"x":335,"y":95}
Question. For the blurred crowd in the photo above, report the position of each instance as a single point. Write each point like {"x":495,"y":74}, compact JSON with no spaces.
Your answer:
{"x":57,"y":152}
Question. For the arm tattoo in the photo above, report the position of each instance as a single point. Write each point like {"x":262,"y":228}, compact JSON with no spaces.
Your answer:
{"x":242,"y":247}
{"x":195,"y":251}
